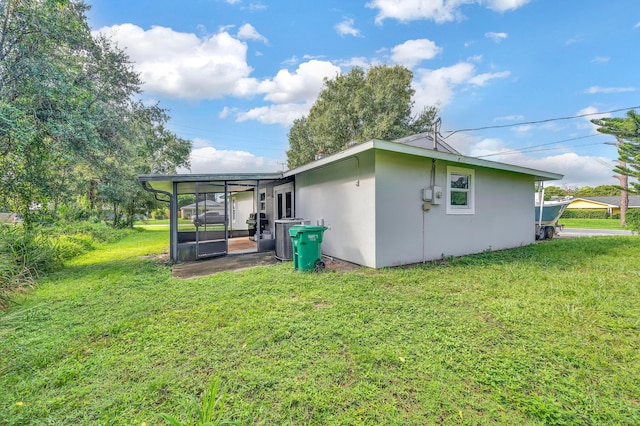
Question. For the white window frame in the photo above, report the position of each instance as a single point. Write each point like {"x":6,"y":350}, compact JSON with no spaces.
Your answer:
{"x":470,"y":208}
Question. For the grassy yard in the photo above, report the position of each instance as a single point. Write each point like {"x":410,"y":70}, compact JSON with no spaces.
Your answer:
{"x":544,"y":334}
{"x":592,"y":223}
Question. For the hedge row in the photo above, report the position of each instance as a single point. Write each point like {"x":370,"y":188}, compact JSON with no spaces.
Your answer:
{"x":586,"y":214}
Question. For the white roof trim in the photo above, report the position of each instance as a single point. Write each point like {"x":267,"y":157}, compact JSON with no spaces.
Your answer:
{"x":594,"y":202}
{"x":423,"y":152}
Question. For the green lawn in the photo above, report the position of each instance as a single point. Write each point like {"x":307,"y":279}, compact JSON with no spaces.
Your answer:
{"x":543,"y":334}
{"x":592,"y":223}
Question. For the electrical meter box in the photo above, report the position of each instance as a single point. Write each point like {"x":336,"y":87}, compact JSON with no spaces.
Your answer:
{"x":438,"y":195}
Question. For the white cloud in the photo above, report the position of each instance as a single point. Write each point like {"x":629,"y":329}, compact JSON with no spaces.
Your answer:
{"x":482,"y":79}
{"x":208,"y":159}
{"x":598,"y":89}
{"x":525,"y":128}
{"x":183,"y":65}
{"x":637,"y":25}
{"x":601,"y":59}
{"x":292,"y":94}
{"x":303,"y":85}
{"x":346,"y":27}
{"x":589,"y":113}
{"x":283,"y":114}
{"x":248,"y":32}
{"x":504,"y":5}
{"x":496,"y":37}
{"x":578,"y":170}
{"x":412,"y":52}
{"x":436,"y":10}
{"x":437,"y":87}
{"x":510,"y":118}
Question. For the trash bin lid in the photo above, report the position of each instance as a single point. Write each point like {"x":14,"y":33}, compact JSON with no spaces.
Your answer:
{"x":313,"y":228}
{"x":296,"y":230}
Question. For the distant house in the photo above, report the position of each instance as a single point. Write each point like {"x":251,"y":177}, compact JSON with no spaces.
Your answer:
{"x":189,"y":211}
{"x":609,"y":204}
{"x":386,"y":203}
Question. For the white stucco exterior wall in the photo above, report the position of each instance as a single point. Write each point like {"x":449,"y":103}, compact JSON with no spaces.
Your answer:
{"x":503,"y":218}
{"x":244,"y":203}
{"x":343,"y":195}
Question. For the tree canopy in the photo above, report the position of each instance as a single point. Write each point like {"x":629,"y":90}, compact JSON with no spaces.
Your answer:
{"x":358,"y":106}
{"x":71,"y":121}
{"x":627,"y":131}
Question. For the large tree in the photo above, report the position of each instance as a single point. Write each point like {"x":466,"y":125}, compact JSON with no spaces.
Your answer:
{"x":69,"y":114}
{"x":627,"y":133}
{"x":358,"y":106}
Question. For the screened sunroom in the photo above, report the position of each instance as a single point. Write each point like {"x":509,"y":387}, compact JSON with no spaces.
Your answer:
{"x":220,"y":214}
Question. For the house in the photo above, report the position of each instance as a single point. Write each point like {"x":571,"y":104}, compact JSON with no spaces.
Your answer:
{"x":385,"y":203}
{"x":187,"y":212}
{"x":609,"y":204}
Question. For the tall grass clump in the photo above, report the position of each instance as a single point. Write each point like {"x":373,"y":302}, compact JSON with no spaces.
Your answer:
{"x":26,"y":254}
{"x":23,"y":256}
{"x":210,"y":412}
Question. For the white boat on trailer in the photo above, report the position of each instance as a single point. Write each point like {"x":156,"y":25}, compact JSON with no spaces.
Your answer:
{"x":547,"y":218}
{"x":547,"y":215}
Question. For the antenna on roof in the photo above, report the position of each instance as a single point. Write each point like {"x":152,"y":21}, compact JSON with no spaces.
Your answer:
{"x":436,"y":125}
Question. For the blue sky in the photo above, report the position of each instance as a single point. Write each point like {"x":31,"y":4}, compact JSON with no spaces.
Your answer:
{"x":236,"y":73}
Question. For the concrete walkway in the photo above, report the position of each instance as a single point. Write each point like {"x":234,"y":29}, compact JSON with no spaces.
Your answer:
{"x":583,"y":232}
{"x":214,"y":265}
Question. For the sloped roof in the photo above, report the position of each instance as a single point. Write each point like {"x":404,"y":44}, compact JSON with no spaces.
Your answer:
{"x":425,"y":140}
{"x":613,"y":201}
{"x":402,"y":148}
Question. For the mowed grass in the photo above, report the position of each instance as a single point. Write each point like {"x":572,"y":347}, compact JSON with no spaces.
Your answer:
{"x":544,"y":334}
{"x":592,"y":223}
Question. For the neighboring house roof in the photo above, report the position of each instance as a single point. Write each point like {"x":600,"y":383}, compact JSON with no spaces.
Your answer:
{"x":423,"y":152}
{"x":207,"y":203}
{"x":612,"y":201}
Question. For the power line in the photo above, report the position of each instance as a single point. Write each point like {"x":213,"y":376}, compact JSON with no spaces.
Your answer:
{"x":548,"y":120}
{"x":528,"y":148}
{"x":538,"y":150}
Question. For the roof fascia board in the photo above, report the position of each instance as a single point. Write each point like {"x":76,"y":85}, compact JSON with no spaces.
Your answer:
{"x":423,"y":152}
{"x":594,"y":202}
{"x":211,"y":177}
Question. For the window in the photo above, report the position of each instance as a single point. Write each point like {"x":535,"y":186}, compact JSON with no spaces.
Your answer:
{"x":263,"y":200}
{"x":233,"y":210}
{"x":460,"y":191}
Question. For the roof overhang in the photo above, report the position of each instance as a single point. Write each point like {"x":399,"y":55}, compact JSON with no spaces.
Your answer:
{"x":539,"y":175}
{"x":214,"y":182}
{"x":600,"y":203}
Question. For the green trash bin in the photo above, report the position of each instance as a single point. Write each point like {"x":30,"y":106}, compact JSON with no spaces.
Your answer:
{"x":307,"y":242}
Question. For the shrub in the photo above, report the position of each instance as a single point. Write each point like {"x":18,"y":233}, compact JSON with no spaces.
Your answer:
{"x":24,"y":256}
{"x":585,"y":214}
{"x":632,"y":217}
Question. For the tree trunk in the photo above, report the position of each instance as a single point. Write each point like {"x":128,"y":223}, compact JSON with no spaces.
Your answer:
{"x":624,"y":195}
